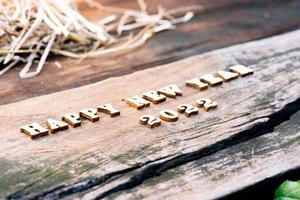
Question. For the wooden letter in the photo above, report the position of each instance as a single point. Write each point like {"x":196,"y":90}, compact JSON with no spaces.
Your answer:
{"x":227,"y":76}
{"x":196,"y":83}
{"x":168,"y":115}
{"x":207,"y":104}
{"x":108,"y":109}
{"x":241,"y":70}
{"x":34,"y":130}
{"x":211,"y":80}
{"x":187,"y":109}
{"x":72,"y":119}
{"x":90,"y":114}
{"x":150,"y":121}
{"x":55,"y":125}
{"x":154,"y":97}
{"x":170,"y":91}
{"x":137,"y":102}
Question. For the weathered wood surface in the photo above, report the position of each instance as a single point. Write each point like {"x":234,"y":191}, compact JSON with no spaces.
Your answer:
{"x":225,"y":172}
{"x":218,"y":24}
{"x":97,"y":153}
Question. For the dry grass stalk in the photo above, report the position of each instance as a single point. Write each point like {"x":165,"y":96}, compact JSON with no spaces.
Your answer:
{"x":32,"y":29}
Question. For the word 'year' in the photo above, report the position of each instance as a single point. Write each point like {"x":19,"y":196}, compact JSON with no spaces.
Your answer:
{"x":36,"y":130}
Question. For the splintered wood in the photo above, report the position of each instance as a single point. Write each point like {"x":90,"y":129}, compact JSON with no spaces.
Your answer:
{"x":126,"y":145}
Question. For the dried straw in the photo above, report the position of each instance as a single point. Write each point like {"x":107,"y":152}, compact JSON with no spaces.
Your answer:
{"x":30,"y":30}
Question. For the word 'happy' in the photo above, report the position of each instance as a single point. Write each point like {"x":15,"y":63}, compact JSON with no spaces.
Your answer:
{"x":36,"y":130}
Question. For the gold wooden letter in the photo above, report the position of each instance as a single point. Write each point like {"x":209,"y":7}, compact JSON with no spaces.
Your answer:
{"x":34,"y":130}
{"x":227,"y":76}
{"x":170,"y":91}
{"x":150,"y":120}
{"x":55,"y":125}
{"x":137,"y":102}
{"x":187,"y":109}
{"x":168,"y":115}
{"x":196,"y":83}
{"x":207,"y":104}
{"x":211,"y":79}
{"x":154,"y":97}
{"x":241,"y":70}
{"x":108,"y":109}
{"x":72,"y":119}
{"x":90,"y":114}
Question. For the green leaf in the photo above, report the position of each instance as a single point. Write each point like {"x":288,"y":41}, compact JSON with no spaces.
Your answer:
{"x":288,"y":190}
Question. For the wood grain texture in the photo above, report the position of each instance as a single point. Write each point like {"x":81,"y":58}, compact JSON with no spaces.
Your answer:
{"x":229,"y":170}
{"x":219,"y":24}
{"x":106,"y":149}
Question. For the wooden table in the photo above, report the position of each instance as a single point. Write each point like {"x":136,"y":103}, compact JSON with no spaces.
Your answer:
{"x":244,"y":148}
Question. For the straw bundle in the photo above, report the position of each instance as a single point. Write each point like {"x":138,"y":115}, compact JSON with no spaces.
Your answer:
{"x":30,"y":30}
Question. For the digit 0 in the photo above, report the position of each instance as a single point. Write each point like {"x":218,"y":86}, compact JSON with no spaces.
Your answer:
{"x":168,"y":115}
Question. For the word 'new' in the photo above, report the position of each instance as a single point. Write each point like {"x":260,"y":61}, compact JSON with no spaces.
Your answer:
{"x":36,"y":130}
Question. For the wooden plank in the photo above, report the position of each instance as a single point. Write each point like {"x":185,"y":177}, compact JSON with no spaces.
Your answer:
{"x":112,"y":144}
{"x":227,"y":171}
{"x":219,"y":24}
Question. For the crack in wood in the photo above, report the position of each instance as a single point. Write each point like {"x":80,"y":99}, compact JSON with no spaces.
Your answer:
{"x":68,"y":189}
{"x":258,"y":129}
{"x":265,"y":188}
{"x":153,"y":168}
{"x":105,"y":150}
